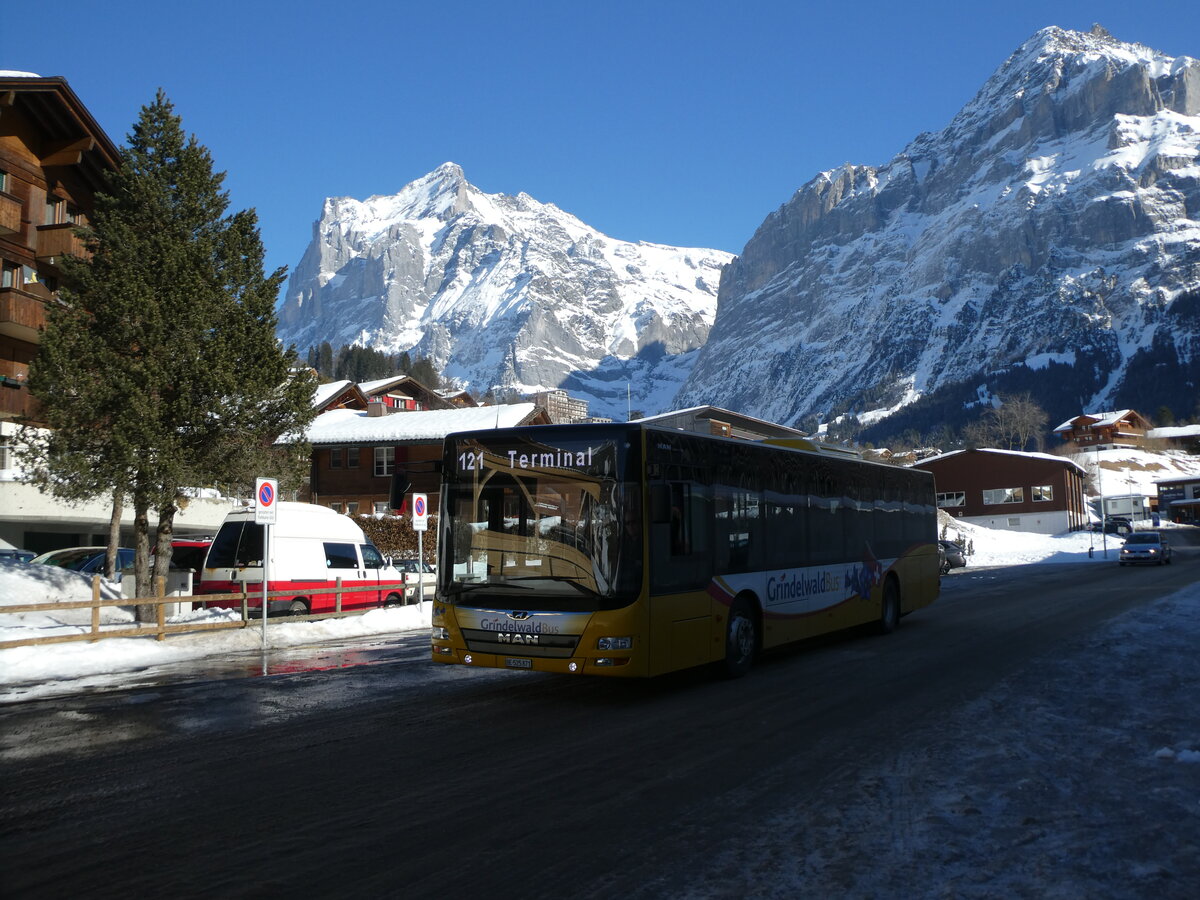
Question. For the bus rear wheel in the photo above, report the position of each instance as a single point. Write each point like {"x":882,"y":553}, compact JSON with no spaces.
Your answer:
{"x":393,"y":599}
{"x":889,"y":613}
{"x":741,"y":639}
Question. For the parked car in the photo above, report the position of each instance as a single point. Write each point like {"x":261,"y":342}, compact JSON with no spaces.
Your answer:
{"x":189,"y":553}
{"x":951,"y":556}
{"x":413,"y":570}
{"x":13,"y":555}
{"x":1148,"y":547}
{"x":88,"y":560}
{"x":1114,"y":525}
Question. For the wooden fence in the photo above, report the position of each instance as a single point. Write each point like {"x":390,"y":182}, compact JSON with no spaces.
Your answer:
{"x":160,"y":629}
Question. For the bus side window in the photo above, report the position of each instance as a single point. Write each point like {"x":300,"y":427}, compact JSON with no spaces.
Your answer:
{"x":680,"y":528}
{"x":681,"y":520}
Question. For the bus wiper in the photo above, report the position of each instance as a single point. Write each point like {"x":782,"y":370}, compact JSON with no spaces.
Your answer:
{"x":476,"y":585}
{"x":574,"y":580}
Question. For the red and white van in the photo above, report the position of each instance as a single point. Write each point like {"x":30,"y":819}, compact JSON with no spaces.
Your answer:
{"x":311,"y":547}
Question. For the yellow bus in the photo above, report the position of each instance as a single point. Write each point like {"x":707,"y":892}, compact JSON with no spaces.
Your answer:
{"x":634,"y":550}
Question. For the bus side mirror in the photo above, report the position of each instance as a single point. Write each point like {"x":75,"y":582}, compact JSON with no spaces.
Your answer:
{"x":400,"y":486}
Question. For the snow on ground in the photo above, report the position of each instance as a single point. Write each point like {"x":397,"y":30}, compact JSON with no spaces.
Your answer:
{"x":110,"y":659}
{"x":1127,"y":470}
{"x":1076,"y":776}
{"x":22,"y":584}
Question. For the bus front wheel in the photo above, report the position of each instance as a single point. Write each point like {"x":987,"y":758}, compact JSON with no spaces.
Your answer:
{"x":741,"y":639}
{"x":298,"y":608}
{"x":889,"y":614}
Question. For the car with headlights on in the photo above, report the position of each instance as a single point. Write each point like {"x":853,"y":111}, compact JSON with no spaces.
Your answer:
{"x":1145,"y":548}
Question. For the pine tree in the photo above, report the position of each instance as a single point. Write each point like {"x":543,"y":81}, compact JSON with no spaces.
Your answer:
{"x":423,"y":371}
{"x":160,"y":371}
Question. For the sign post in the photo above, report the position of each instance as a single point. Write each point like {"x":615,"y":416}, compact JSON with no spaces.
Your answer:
{"x":420,"y":523}
{"x":266,"y":490}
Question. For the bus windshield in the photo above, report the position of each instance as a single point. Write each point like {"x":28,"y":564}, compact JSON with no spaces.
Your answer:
{"x":530,"y":524}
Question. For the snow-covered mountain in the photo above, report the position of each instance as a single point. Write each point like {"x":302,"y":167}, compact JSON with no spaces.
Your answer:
{"x":1048,"y":239}
{"x":504,"y":292}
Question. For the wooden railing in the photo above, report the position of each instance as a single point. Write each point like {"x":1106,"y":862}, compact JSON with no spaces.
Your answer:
{"x":14,"y":370}
{"x":160,"y":629}
{"x":22,"y":309}
{"x":55,"y":241}
{"x":10,"y":214}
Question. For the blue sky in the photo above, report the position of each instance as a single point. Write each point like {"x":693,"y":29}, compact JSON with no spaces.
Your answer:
{"x":680,"y":123}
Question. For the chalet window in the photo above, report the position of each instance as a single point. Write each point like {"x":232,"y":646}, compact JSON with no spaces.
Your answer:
{"x":336,"y":507}
{"x":385,"y":461}
{"x":1014,"y":521}
{"x":11,"y":277}
{"x":1042,"y":492}
{"x":1003,"y":495}
{"x":6,"y":456}
{"x":352,"y":508}
{"x":29,"y":275}
{"x":335,"y":458}
{"x":953,"y":498}
{"x":381,"y":507}
{"x":3,"y":181}
{"x":351,"y":457}
{"x":55,"y":210}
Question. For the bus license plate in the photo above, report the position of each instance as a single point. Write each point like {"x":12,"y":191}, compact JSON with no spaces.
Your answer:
{"x":518,"y":663}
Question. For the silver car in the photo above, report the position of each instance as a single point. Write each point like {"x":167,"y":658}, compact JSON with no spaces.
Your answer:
{"x":417,"y":576}
{"x":1148,"y":547}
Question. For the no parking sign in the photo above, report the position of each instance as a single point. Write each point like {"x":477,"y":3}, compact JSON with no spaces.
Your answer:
{"x":420,"y":512}
{"x":266,"y":491}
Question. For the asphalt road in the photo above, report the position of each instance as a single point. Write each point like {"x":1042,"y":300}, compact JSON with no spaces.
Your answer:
{"x":404,"y":778}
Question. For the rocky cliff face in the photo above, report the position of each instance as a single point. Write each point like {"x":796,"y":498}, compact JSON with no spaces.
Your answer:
{"x":1046,"y":239}
{"x":504,"y":292}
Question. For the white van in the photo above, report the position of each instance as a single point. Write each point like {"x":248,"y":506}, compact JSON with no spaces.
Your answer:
{"x":311,"y":548}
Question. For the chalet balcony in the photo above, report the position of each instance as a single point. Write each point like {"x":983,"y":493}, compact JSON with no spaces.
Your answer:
{"x":16,"y":401}
{"x":22,"y":314}
{"x":13,"y":372}
{"x":56,"y":241}
{"x":10,"y":214}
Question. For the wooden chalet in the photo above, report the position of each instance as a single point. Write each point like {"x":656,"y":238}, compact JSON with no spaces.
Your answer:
{"x":355,"y":451}
{"x":1105,"y":430}
{"x":53,"y":159}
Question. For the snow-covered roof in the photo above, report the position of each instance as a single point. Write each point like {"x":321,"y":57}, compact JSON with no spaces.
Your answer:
{"x":724,"y":415}
{"x":1099,"y":418}
{"x":346,"y":426}
{"x":1026,"y":454}
{"x":370,"y":387}
{"x":326,"y":392}
{"x":12,"y":73}
{"x":1174,"y":431}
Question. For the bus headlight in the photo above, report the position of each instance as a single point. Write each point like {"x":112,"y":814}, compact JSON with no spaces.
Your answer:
{"x":439,"y":633}
{"x":614,"y":643}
